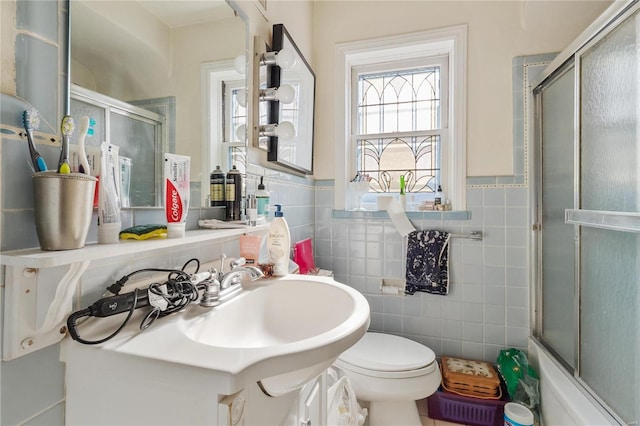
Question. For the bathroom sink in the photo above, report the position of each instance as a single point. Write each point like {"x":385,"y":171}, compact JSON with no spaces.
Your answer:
{"x":279,"y":333}
{"x":286,"y":317}
{"x":285,"y":312}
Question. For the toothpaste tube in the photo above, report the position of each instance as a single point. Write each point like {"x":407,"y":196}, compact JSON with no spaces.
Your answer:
{"x":176,"y":193}
{"x":109,"y":195}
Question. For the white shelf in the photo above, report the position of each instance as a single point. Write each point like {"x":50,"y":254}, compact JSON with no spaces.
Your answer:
{"x":616,"y":221}
{"x":36,"y":258}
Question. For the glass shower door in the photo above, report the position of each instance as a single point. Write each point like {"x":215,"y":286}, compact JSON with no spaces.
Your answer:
{"x":610,"y":194}
{"x":556,"y":238}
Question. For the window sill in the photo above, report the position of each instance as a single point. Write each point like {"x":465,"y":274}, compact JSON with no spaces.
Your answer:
{"x":416,"y":215}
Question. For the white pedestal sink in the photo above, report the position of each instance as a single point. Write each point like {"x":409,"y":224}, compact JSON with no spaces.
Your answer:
{"x":278,"y":333}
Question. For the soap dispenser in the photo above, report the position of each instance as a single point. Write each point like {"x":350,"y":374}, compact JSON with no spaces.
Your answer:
{"x":262,"y":199}
{"x":279,"y":243}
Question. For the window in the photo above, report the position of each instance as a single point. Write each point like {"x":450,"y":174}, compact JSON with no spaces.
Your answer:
{"x":222,"y":115}
{"x":235,"y":116}
{"x":400,"y":114}
{"x":404,"y":113}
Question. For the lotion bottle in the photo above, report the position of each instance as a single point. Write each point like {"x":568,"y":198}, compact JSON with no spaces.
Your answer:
{"x":279,"y":244}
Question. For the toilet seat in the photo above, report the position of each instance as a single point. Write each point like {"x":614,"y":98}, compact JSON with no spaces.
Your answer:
{"x":388,"y":356}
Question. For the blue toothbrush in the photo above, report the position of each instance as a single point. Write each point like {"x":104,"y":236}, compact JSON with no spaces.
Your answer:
{"x":86,"y":129}
{"x":31,"y":122}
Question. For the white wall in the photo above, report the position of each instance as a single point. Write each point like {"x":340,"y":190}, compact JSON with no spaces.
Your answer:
{"x":498,"y":32}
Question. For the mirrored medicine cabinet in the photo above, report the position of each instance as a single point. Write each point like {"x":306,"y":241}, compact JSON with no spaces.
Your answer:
{"x":140,"y":68}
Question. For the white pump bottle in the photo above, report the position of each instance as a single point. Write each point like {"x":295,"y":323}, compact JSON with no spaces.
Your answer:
{"x":279,"y":243}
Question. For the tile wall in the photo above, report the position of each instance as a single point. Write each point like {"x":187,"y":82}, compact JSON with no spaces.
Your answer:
{"x":487,"y":305}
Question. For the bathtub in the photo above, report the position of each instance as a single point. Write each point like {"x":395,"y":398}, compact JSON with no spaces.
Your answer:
{"x":562,"y":402}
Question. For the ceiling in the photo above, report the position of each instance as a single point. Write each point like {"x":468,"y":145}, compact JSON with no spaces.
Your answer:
{"x":182,"y":13}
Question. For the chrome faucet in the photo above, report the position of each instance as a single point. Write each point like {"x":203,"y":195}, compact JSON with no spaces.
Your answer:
{"x":225,"y":286}
{"x":232,"y":277}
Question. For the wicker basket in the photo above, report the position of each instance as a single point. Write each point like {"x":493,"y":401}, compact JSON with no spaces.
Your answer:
{"x":471,"y":378}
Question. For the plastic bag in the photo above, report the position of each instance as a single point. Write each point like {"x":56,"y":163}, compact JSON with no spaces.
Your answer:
{"x":523,"y":384}
{"x":343,"y":407}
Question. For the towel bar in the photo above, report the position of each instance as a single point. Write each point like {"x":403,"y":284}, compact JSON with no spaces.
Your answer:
{"x":474,"y":235}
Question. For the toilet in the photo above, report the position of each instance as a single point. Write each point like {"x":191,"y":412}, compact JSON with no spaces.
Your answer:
{"x":390,"y":373}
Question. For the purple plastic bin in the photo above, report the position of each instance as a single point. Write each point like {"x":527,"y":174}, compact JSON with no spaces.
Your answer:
{"x":449,"y":406}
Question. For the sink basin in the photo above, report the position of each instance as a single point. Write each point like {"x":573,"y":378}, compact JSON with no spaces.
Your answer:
{"x":297,"y":316}
{"x":279,"y":333}
{"x":284,"y":312}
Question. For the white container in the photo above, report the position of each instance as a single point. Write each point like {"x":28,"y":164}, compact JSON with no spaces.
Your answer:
{"x":109,"y":222}
{"x":125,"y":181}
{"x":279,"y":244}
{"x":517,"y":415}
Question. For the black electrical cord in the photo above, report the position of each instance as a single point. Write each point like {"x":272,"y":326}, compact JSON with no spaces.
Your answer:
{"x":180,"y":291}
{"x":115,"y":288}
{"x":73,"y":331}
{"x":192,"y":260}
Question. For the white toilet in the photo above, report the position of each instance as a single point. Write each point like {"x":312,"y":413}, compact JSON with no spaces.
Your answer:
{"x":390,"y":373}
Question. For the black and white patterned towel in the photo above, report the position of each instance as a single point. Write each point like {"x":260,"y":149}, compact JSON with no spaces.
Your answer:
{"x":428,"y":262}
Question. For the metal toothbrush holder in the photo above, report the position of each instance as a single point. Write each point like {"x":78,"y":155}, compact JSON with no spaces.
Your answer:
{"x":63,"y":205}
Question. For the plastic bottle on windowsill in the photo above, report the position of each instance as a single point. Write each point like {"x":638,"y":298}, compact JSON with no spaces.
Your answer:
{"x":403,"y":196}
{"x":438,"y":199}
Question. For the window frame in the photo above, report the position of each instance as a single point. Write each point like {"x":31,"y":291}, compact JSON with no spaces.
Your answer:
{"x":450,"y":41}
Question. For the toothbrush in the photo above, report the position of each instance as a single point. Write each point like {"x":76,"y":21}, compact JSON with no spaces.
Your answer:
{"x":31,"y":122}
{"x":86,"y":129}
{"x":66,"y":127}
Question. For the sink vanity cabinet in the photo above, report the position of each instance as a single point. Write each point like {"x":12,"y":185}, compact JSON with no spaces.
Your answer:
{"x":103,"y":389}
{"x":106,"y":389}
{"x":312,"y":403}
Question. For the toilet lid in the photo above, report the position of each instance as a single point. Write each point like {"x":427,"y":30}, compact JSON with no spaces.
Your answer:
{"x":386,"y":352}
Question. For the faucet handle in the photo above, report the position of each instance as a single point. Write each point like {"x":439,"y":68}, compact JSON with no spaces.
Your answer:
{"x":215,"y":275}
{"x":237,"y":262}
{"x":201,"y":276}
{"x":211,"y":294}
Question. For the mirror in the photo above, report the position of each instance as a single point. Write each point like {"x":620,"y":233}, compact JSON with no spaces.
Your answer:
{"x":146,"y":70}
{"x":294,"y":152}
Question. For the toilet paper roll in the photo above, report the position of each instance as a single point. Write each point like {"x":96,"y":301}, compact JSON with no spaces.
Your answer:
{"x":399,"y":218}
{"x":389,"y":289}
